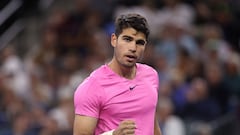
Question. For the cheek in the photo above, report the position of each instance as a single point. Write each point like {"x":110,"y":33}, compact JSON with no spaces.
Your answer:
{"x":140,"y":54}
{"x":141,"y":50}
{"x":121,"y":48}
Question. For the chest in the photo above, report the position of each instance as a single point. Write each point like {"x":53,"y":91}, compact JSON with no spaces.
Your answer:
{"x":130,"y":99}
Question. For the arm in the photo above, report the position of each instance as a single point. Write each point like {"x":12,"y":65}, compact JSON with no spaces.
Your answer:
{"x":84,"y":125}
{"x":157,"y":130}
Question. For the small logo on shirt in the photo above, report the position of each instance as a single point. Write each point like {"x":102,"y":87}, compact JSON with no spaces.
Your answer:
{"x":132,"y":87}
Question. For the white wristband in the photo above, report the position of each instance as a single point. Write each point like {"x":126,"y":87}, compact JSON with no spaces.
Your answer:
{"x":108,"y":133}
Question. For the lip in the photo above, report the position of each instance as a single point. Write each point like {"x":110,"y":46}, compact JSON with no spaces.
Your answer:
{"x":131,"y":57}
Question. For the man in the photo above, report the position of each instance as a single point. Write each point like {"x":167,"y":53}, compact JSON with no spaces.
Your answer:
{"x":120,"y":98}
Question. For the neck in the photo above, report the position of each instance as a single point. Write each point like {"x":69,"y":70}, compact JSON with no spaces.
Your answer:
{"x":126,"y":72}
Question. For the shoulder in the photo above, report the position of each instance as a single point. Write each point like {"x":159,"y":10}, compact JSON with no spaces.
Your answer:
{"x":95,"y":79}
{"x":147,"y":73}
{"x":144,"y":68}
{"x":97,"y":74}
{"x":89,"y":88}
{"x":101,"y":72}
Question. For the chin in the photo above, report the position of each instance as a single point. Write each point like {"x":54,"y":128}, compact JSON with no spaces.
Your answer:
{"x":129,"y":65}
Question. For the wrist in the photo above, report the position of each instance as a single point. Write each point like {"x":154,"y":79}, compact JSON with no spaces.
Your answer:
{"x":108,"y":133}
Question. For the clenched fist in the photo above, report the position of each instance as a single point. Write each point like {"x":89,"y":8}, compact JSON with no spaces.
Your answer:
{"x":126,"y":127}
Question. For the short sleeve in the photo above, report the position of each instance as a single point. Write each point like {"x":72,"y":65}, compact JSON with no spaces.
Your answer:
{"x":156,"y":80}
{"x":87,"y":98}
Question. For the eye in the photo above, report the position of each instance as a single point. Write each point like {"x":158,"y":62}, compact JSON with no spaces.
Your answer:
{"x":128,"y":39}
{"x":140,"y":42}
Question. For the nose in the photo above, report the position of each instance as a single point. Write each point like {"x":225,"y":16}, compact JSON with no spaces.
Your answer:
{"x":133,"y":47}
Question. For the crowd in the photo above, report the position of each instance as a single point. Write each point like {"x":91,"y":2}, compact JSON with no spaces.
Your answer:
{"x":194,"y":46}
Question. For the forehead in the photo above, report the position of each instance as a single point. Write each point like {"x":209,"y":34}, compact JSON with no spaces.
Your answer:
{"x":133,"y":33}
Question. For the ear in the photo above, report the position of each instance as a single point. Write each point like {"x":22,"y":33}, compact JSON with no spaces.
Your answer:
{"x":113,"y":40}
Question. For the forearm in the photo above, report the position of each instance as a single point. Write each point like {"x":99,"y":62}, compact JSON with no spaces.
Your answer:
{"x":84,"y":125}
{"x":157,"y":130}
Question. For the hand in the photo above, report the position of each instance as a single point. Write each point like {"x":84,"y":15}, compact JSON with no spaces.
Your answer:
{"x":126,"y":127}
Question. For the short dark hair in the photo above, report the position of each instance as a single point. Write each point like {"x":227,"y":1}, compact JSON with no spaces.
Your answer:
{"x":136,"y":21}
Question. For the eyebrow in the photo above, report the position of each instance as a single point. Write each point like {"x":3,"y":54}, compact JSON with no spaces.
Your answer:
{"x":137,"y":41}
{"x":126,"y":36}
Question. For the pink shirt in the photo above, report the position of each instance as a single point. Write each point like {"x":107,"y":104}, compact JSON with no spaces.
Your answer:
{"x":111,"y":99}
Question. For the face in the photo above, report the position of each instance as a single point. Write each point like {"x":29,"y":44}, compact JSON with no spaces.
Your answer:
{"x":129,"y":47}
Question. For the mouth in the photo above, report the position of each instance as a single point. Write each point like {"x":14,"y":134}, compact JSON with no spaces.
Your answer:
{"x":131,"y":57}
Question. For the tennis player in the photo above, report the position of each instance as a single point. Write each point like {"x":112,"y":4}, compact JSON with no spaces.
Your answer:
{"x":120,"y":97}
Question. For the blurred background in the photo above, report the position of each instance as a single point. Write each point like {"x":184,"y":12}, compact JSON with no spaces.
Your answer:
{"x":47,"y":47}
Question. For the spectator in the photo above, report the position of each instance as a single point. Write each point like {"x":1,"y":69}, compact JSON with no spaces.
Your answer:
{"x":200,"y":106}
{"x":170,"y":124}
{"x":217,"y":88}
